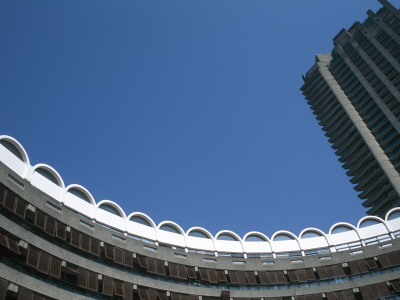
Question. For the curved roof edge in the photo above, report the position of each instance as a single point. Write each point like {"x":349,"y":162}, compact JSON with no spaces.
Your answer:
{"x":119,"y":222}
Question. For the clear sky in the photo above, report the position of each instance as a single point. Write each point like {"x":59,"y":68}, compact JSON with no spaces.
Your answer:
{"x":185,"y":110}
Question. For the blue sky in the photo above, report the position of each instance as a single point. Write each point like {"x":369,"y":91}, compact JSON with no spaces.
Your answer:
{"x":188,"y":111}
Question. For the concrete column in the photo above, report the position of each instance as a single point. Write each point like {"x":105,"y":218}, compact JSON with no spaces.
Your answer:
{"x":362,"y":128}
{"x":369,"y":89}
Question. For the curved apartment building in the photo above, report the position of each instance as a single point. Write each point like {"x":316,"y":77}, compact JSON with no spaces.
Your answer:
{"x":57,"y":242}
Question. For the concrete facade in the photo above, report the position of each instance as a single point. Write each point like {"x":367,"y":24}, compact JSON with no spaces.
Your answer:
{"x":331,"y":270}
{"x":355,"y":94}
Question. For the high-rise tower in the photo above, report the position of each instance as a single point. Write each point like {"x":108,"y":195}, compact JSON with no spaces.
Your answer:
{"x":355,"y":93}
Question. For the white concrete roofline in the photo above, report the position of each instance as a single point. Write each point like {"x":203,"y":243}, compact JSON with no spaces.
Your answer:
{"x":123,"y":223}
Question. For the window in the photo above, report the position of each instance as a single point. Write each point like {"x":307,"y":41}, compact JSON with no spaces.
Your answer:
{"x":198,"y":234}
{"x":226,"y":237}
{"x":110,"y":209}
{"x":169,"y":228}
{"x":140,"y":220}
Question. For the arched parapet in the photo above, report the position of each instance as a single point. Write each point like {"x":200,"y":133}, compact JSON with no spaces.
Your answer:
{"x":200,"y":238}
{"x":256,"y":242}
{"x":313,"y":238}
{"x":169,"y":232}
{"x":80,"y":199}
{"x":285,"y":242}
{"x":393,"y":219}
{"x":111,"y":214}
{"x":344,"y":236}
{"x":47,"y":179}
{"x":14,"y":156}
{"x":140,"y":224}
{"x":228,"y":242}
{"x":372,"y":227}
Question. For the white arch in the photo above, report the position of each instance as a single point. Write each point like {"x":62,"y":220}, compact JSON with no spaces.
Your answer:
{"x":108,"y":218}
{"x":394,"y":224}
{"x":172,"y":238}
{"x":113,"y":205}
{"x":344,"y":237}
{"x":142,"y":230}
{"x":194,"y":242}
{"x":17,"y":145}
{"x":228,"y":232}
{"x":51,"y":170}
{"x":256,"y":233}
{"x":342,"y":224}
{"x":143,"y":216}
{"x":76,"y":203}
{"x":257,"y":246}
{"x":375,"y":230}
{"x":395,"y":209}
{"x":283,"y":232}
{"x":291,"y":245}
{"x":13,"y":162}
{"x":312,"y":229}
{"x":172,"y":224}
{"x":320,"y":241}
{"x":202,"y":230}
{"x":366,"y":218}
{"x":228,"y":246}
{"x":46,"y":185}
